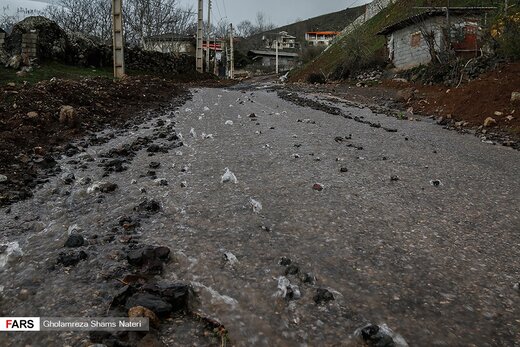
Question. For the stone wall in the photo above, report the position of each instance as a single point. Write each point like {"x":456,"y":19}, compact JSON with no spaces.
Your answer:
{"x":375,"y":7}
{"x":30,"y":44}
{"x":372,"y":9}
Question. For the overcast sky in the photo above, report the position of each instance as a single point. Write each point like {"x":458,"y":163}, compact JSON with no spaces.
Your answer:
{"x":279,"y":12}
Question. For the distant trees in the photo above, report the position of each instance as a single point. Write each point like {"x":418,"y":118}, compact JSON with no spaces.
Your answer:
{"x":141,"y":17}
{"x":8,"y":19}
{"x":152,"y":17}
{"x":92,"y":17}
{"x":246,"y":28}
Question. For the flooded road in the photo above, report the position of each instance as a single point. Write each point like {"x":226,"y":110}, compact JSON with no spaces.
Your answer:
{"x":333,"y":223}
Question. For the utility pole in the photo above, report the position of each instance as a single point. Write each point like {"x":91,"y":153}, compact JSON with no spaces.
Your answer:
{"x":117,"y":38}
{"x":276,"y":43}
{"x":231,"y":53}
{"x":215,"y":65}
{"x":448,"y":24}
{"x":209,"y":37}
{"x":199,"y":56}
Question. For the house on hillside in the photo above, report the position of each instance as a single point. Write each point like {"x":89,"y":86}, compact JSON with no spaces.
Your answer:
{"x":267,"y":59}
{"x":416,"y":39}
{"x":171,"y":43}
{"x":320,"y":38}
{"x":285,"y":41}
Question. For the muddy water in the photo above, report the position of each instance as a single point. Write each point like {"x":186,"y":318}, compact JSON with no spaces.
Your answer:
{"x":434,"y":263}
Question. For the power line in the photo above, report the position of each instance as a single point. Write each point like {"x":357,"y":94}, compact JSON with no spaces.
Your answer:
{"x":218,"y":9}
{"x":225,"y":10}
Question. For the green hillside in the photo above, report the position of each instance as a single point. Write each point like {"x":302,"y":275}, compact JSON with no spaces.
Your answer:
{"x":335,"y":21}
{"x":363,"y":47}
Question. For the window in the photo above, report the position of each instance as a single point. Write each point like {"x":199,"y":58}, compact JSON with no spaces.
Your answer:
{"x":415,"y":39}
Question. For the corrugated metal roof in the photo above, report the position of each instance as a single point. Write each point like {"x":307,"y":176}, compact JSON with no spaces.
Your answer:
{"x":433,"y":13}
{"x":273,"y":53}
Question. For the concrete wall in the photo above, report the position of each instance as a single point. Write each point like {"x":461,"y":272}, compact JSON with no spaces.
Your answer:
{"x":176,"y":47}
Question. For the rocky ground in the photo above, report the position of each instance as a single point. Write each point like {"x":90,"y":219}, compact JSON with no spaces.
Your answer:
{"x":37,"y":122}
{"x":483,"y":106}
{"x":257,"y":216}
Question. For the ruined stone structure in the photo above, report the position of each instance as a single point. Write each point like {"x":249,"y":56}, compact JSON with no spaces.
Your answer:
{"x":29,"y":44}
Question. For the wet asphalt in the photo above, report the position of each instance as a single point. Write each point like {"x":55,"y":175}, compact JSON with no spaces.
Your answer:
{"x":418,"y":229}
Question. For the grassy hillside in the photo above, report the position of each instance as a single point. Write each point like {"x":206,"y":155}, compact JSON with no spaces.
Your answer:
{"x":364,"y":47}
{"x":335,"y":21}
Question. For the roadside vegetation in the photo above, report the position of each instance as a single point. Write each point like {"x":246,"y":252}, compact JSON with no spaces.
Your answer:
{"x":363,"y":49}
{"x":53,"y":69}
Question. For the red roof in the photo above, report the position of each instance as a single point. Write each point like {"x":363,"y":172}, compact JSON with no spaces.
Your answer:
{"x":323,"y":32}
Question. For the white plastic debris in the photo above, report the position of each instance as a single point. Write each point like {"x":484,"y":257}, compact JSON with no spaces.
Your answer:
{"x":255,"y":205}
{"x":216,"y":296}
{"x":178,"y":153}
{"x":230,"y":105}
{"x":188,"y":110}
{"x":436,"y":183}
{"x":229,"y":122}
{"x":74,"y":229}
{"x":206,"y":108}
{"x":228,"y":176}
{"x":267,"y":146}
{"x":193,"y":133}
{"x":8,"y":252}
{"x":94,"y":188}
{"x":231,"y":258}
{"x":296,"y":155}
{"x":206,"y":136}
{"x":286,"y":289}
{"x":239,"y":117}
{"x":283,"y":283}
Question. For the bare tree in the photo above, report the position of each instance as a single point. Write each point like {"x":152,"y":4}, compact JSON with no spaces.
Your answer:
{"x":221,"y":29}
{"x":245,"y":28}
{"x":152,"y":17}
{"x":141,"y":17}
{"x":92,"y":17}
{"x":9,"y":19}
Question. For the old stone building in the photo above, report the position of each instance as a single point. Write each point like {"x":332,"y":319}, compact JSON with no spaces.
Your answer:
{"x":416,"y":39}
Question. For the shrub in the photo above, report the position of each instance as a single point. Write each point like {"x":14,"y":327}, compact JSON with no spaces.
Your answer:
{"x":316,"y":78}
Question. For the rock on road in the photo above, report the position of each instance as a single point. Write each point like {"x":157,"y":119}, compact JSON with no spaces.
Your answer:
{"x":417,"y":229}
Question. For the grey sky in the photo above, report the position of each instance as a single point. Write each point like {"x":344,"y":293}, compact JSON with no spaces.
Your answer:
{"x":280,"y":12}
